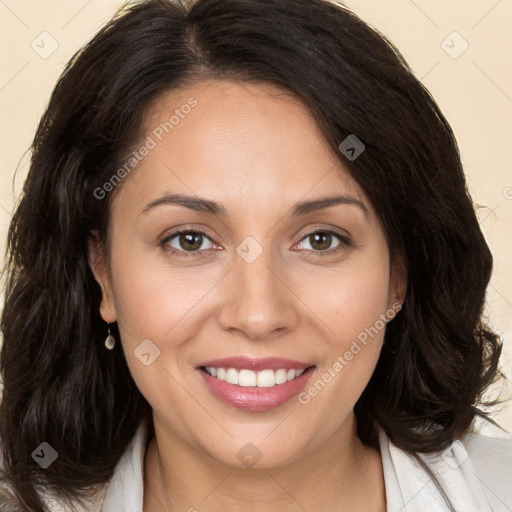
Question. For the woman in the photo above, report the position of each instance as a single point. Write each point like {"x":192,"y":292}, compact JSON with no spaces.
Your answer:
{"x":246,"y":272}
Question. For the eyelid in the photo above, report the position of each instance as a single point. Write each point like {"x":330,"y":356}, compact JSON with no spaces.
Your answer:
{"x":188,"y":228}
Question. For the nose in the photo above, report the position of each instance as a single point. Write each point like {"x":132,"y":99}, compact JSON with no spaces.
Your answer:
{"x":259,"y":303}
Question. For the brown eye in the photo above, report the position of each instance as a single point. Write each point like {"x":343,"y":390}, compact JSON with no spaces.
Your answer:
{"x":187,"y":241}
{"x":190,"y":241}
{"x":322,"y":240}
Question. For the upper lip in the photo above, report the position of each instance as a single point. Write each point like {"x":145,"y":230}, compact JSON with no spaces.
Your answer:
{"x":255,"y":364}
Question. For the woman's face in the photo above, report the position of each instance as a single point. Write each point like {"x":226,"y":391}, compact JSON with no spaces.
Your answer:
{"x":251,"y":280}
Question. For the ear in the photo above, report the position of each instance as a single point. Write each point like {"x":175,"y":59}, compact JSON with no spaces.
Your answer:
{"x":99,"y":268}
{"x":397,"y":281}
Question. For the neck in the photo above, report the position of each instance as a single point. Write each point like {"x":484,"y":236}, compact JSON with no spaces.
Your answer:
{"x":181,"y":477}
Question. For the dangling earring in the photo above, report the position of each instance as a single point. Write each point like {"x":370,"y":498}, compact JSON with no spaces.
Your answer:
{"x":110,"y":341}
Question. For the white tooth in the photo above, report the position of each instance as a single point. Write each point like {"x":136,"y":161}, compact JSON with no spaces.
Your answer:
{"x":281,"y":376}
{"x":232,"y":376}
{"x":266,"y":379}
{"x":246,"y":378}
{"x":262,"y":379}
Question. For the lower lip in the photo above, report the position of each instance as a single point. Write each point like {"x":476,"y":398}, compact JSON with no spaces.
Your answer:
{"x":252,"y":398}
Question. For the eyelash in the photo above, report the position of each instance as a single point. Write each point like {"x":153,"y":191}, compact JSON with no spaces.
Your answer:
{"x":345,"y":242}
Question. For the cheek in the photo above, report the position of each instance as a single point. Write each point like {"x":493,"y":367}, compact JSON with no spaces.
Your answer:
{"x":360,"y":304}
{"x":354,"y":307}
{"x":158,"y":303}
{"x":349,"y":300}
{"x":151,"y":296}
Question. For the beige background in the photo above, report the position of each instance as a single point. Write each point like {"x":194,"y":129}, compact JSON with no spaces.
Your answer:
{"x":468,"y":73}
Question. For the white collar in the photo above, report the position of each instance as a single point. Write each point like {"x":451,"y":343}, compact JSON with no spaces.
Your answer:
{"x":409,"y":487}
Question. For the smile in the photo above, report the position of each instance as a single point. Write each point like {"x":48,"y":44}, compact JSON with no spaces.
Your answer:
{"x":255,"y":384}
{"x":263,"y":379}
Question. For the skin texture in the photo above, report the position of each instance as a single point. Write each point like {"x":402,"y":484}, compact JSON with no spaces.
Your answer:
{"x":258,"y":151}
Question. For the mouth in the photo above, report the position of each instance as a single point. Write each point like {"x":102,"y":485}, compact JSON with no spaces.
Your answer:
{"x":255,"y":384}
{"x":267,"y":378}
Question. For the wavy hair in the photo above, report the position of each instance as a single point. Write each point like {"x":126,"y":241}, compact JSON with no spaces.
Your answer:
{"x":60,"y":385}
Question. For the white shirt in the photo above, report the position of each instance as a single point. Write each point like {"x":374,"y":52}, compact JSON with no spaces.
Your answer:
{"x":475,"y":473}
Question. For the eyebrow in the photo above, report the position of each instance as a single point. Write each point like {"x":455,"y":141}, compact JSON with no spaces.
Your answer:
{"x":206,"y":206}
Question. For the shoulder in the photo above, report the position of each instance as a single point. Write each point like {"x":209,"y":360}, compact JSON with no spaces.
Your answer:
{"x":126,"y":488}
{"x":491,"y":458}
{"x":474,"y":474}
{"x":124,"y":491}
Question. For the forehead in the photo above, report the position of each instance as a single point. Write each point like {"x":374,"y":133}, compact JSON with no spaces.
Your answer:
{"x":236,"y":142}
